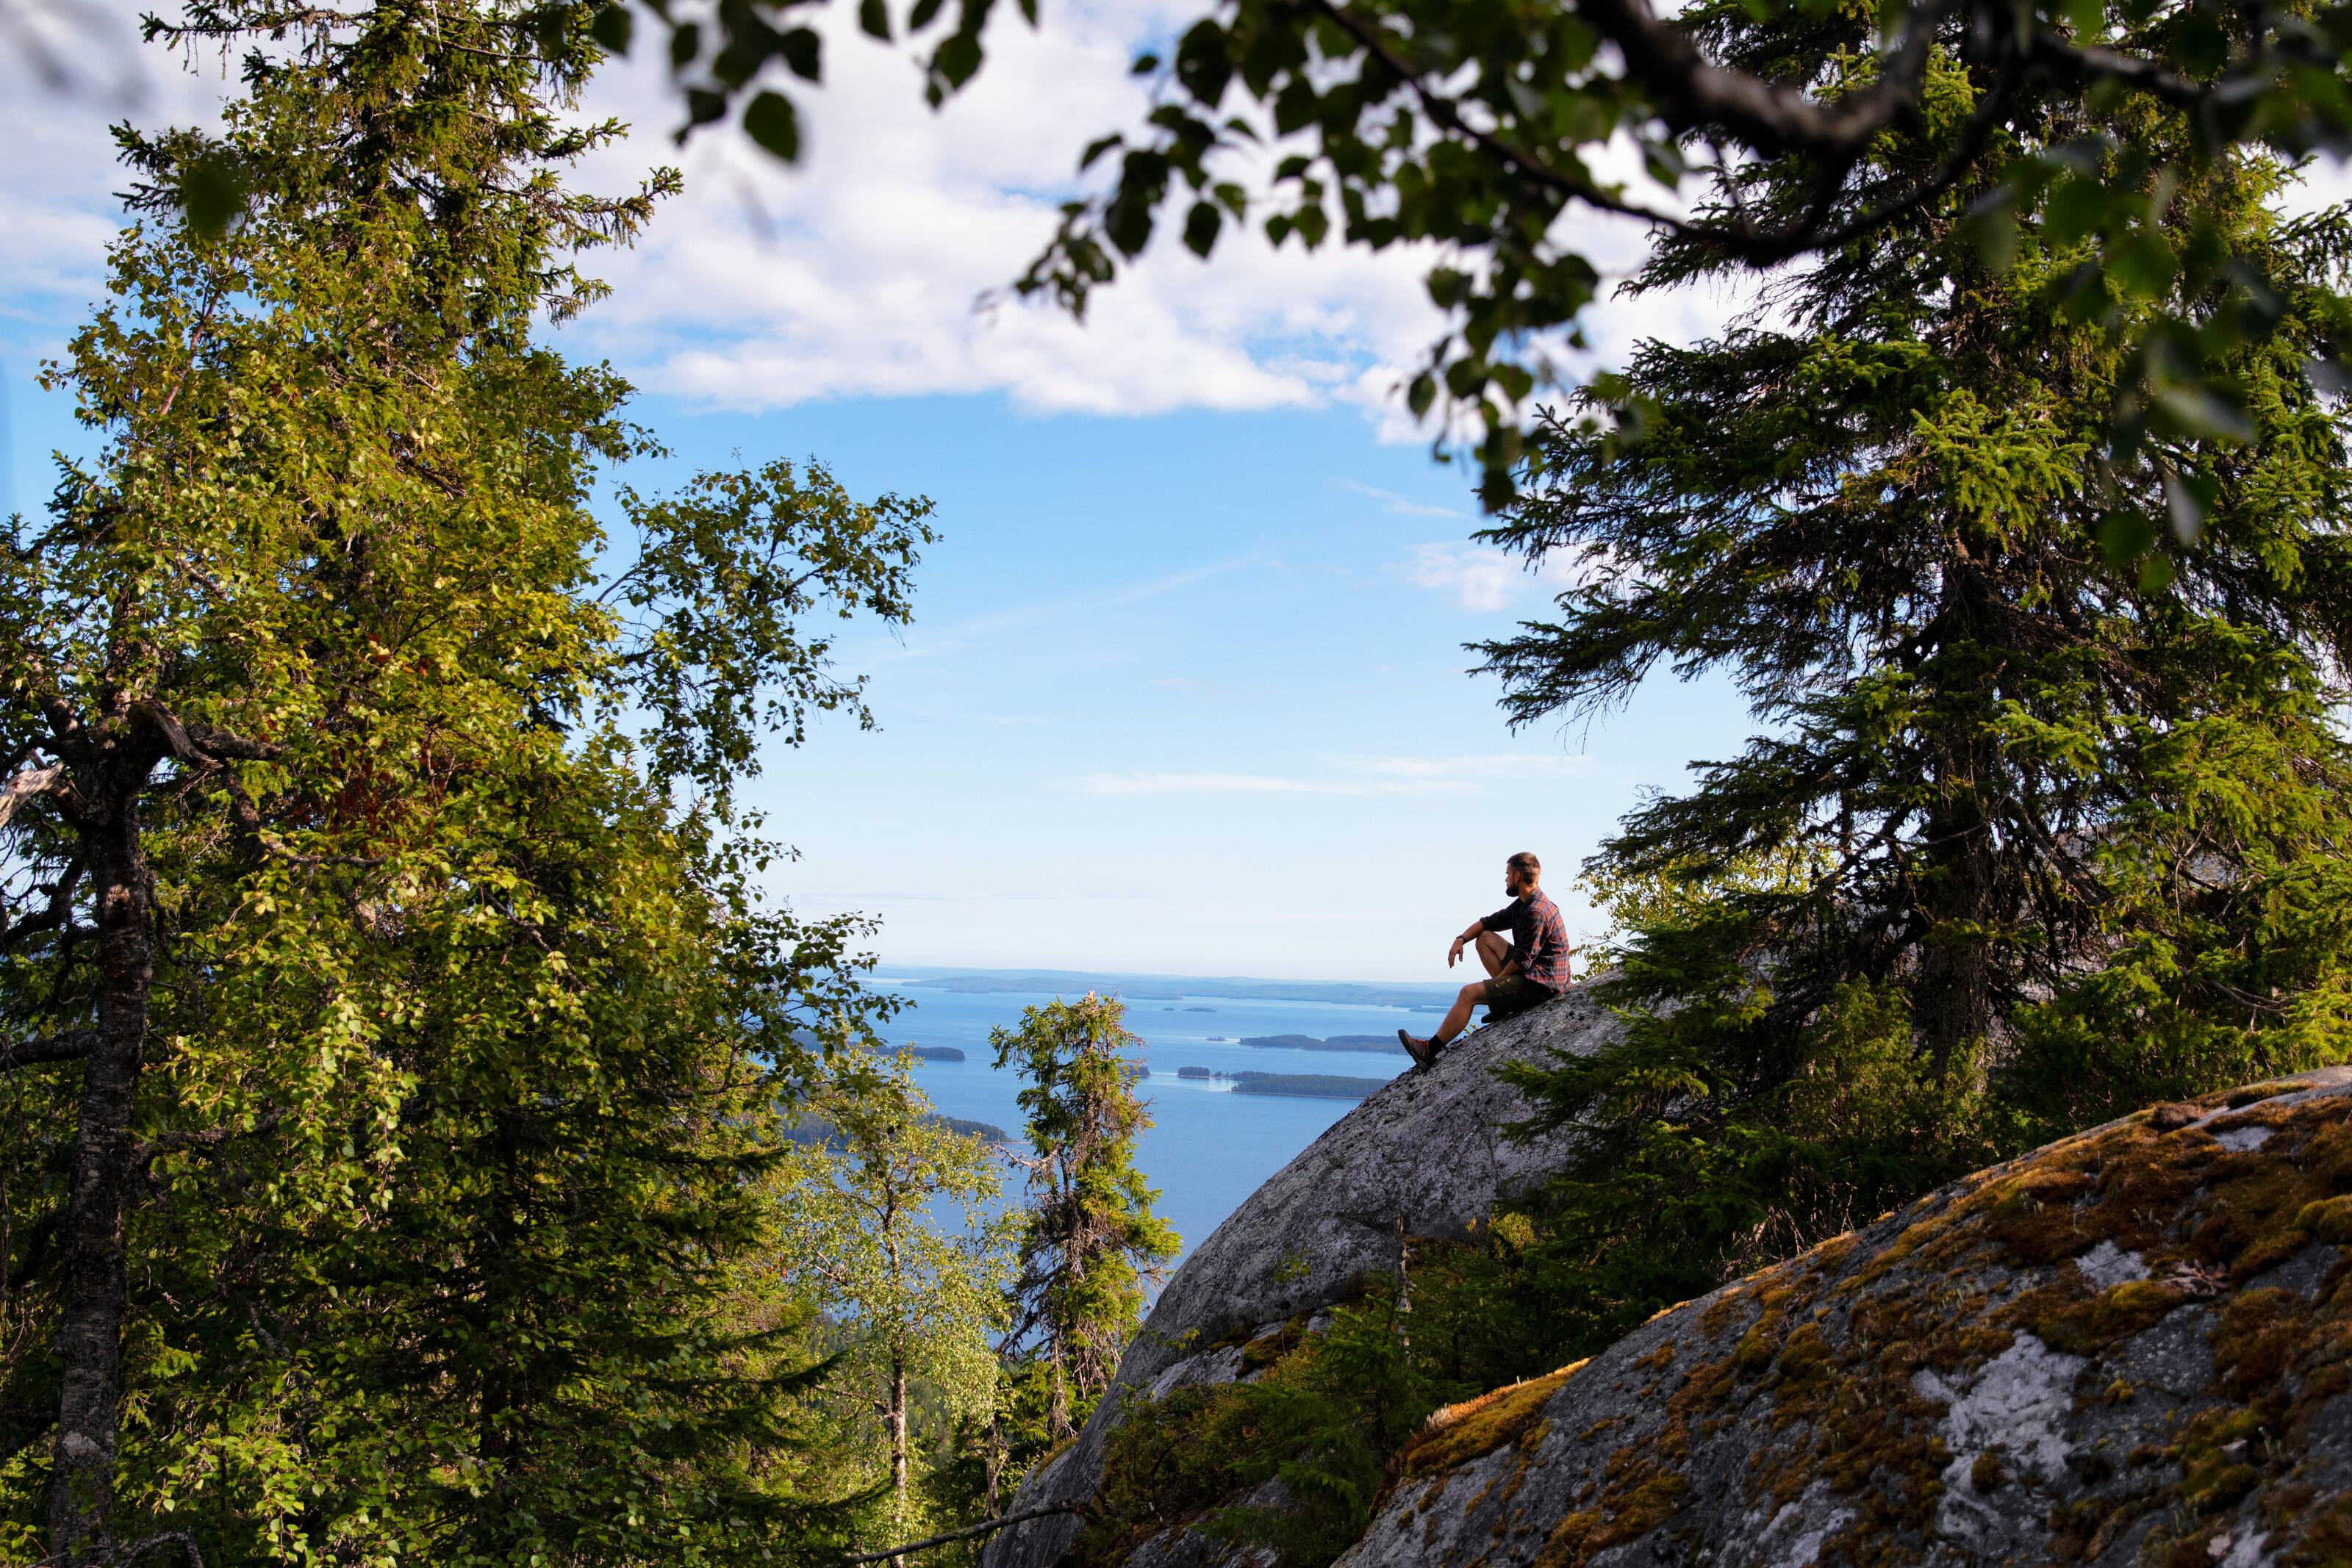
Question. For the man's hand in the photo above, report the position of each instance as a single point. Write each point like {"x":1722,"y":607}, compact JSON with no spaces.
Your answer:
{"x":1453,"y":953}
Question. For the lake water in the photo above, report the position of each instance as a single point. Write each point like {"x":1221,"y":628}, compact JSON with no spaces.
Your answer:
{"x":1210,"y":1148}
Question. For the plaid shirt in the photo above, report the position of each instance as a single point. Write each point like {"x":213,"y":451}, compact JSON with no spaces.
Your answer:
{"x":1538,"y":939}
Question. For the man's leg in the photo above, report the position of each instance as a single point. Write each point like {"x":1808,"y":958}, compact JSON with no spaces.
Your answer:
{"x":1493,"y":951}
{"x":1456,"y":1020}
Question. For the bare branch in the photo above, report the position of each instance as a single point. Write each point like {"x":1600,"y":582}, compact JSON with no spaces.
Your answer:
{"x":25,"y":786}
{"x":71,"y":1046}
{"x":982,"y":1528}
{"x":210,"y":1138}
{"x":1688,"y":92}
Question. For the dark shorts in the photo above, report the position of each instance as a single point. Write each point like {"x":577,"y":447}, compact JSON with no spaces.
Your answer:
{"x":1509,"y":998}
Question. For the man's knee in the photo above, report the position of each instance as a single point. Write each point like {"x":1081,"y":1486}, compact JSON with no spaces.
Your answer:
{"x":1475,"y":991}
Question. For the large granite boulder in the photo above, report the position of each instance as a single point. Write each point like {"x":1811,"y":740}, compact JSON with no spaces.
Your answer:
{"x":2133,"y":1346}
{"x":1422,"y":1158}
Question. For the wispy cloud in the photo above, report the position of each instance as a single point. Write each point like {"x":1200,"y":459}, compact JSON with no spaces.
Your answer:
{"x":1477,"y":577}
{"x":956,"y":634}
{"x":1483,"y":580}
{"x":1458,"y":775}
{"x":1259,"y":784}
{"x":1391,"y":501}
{"x":1487,"y":764}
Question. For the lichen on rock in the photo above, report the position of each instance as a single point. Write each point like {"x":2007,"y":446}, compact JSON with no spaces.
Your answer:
{"x":2134,"y":1345}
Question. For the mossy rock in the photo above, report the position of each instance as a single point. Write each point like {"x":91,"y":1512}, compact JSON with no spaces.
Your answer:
{"x":2131,"y":1347}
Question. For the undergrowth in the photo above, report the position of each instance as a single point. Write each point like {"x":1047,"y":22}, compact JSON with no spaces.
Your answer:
{"x":1326,"y":1414}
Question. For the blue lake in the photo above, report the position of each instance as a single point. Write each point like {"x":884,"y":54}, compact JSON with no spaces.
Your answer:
{"x":1210,"y":1148}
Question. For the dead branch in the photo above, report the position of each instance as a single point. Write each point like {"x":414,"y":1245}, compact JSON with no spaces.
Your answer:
{"x":982,"y":1528}
{"x":71,"y":1046}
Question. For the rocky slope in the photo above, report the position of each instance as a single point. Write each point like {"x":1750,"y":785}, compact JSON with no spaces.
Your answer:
{"x":1421,"y":1158}
{"x":2133,"y":1346}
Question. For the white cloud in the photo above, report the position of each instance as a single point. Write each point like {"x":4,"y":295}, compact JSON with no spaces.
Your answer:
{"x":1459,"y":774}
{"x":1485,"y":763}
{"x":857,"y":274}
{"x":1478,"y":577}
{"x":1484,"y":579}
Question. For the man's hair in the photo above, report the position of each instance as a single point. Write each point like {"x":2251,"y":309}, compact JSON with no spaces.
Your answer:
{"x":1526,"y":865}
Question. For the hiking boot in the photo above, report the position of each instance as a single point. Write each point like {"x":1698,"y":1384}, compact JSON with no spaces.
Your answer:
{"x":1422,"y":1051}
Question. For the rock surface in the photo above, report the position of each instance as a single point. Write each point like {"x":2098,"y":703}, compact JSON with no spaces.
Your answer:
{"x":2133,"y":1346}
{"x":1420,"y":1158}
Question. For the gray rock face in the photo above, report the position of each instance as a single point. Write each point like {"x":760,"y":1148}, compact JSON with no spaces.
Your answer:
{"x":2129,"y":1347}
{"x":1420,"y":1158}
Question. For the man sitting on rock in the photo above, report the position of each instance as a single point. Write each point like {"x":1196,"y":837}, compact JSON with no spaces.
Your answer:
{"x":1526,"y":971}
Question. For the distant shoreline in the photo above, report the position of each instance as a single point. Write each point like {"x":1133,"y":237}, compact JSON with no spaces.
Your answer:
{"x":1412,"y":995}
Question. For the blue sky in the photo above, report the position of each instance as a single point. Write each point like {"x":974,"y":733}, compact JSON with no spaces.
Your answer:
{"x":1185,"y":691}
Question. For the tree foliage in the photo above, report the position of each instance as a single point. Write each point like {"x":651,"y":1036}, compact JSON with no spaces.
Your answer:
{"x":2045,"y":823}
{"x":889,"y":1227}
{"x":1090,"y":1240}
{"x":391,"y":1014}
{"x":1486,"y":128}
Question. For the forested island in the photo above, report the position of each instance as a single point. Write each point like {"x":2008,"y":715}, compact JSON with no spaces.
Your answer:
{"x":1381,"y":1044}
{"x":1313,"y":1085}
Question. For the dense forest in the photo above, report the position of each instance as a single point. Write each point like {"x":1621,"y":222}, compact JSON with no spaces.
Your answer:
{"x":425,"y":1139}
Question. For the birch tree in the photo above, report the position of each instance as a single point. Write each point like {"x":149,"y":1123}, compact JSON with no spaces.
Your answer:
{"x":892,"y":1228}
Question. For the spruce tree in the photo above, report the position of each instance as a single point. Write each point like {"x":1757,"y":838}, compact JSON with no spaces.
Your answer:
{"x":1089,"y":1242}
{"x":2046,"y":819}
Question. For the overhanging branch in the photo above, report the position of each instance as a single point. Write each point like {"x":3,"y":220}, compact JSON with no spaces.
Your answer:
{"x":71,"y":1046}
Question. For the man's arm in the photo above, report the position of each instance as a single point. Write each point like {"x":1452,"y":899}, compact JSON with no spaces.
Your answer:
{"x":1453,"y":953}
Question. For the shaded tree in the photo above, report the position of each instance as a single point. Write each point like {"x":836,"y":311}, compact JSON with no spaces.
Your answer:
{"x":385,"y":1047}
{"x":1090,"y":1243}
{"x":2046,"y":822}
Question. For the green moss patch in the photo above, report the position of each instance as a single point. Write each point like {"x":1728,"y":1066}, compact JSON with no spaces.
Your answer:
{"x":1826,"y":1354}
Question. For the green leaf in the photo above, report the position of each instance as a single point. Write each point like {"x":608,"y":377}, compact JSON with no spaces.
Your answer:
{"x":874,"y":17}
{"x":2124,"y":536}
{"x":1203,"y":66}
{"x":1201,"y":225}
{"x":770,"y":120}
{"x":804,"y":54}
{"x":2187,"y":502}
{"x":212,"y":191}
{"x":2143,"y":265}
{"x":613,"y":28}
{"x":2076,"y":206}
{"x":1989,"y":226}
{"x":957,"y":58}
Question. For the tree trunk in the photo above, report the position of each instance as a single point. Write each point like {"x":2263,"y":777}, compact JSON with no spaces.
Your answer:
{"x":895,"y":1417}
{"x":1953,"y":1001}
{"x":89,"y":1329}
{"x":898,"y":1441}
